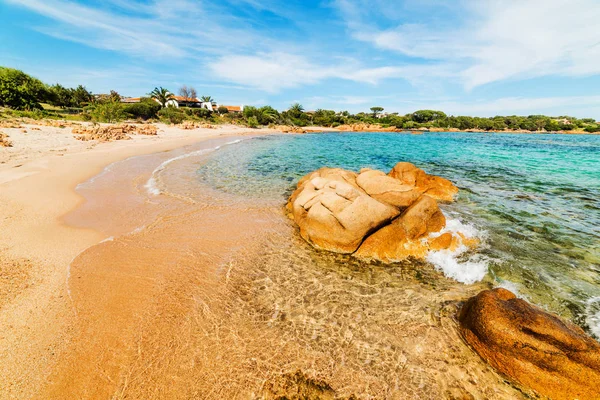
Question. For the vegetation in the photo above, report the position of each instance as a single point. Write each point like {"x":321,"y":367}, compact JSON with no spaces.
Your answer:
{"x":188,"y":93}
{"x":146,"y":109}
{"x":21,"y":91}
{"x":161,"y":95}
{"x":26,"y":96}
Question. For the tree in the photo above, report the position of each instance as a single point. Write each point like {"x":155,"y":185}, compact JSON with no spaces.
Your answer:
{"x":185,"y":93}
{"x":207,"y":99}
{"x":222,"y":110}
{"x":296,"y":110}
{"x":61,"y":96}
{"x":81,"y":96}
{"x":21,"y":91}
{"x":423,"y":116}
{"x":161,"y":95}
{"x":376,"y":110}
{"x":193,"y":93}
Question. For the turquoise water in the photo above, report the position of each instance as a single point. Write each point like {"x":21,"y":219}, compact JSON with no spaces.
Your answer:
{"x":535,"y":199}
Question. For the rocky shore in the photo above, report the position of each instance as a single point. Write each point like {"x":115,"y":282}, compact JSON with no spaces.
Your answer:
{"x":394,"y":216}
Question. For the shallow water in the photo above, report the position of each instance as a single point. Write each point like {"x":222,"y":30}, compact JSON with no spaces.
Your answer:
{"x":206,"y":290}
{"x":535,"y":198}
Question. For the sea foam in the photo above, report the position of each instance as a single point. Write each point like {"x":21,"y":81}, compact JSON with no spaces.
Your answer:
{"x":592,"y":319}
{"x":455,"y":264}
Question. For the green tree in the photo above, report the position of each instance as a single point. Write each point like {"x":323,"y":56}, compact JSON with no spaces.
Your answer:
{"x":423,"y":116}
{"x":207,"y":99}
{"x":81,"y":96}
{"x":21,"y":91}
{"x":376,"y":110}
{"x":222,"y":110}
{"x":61,"y":96}
{"x":161,"y":95}
{"x":296,"y":110}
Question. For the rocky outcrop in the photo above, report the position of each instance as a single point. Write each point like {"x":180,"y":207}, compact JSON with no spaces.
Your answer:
{"x":373,"y":215}
{"x":535,"y":348}
{"x":113,"y":132}
{"x":4,"y":140}
{"x":433,"y":186}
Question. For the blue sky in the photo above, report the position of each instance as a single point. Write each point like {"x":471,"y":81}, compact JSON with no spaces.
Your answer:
{"x":471,"y":57}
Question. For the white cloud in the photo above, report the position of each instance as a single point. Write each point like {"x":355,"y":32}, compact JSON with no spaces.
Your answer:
{"x":273,"y":72}
{"x":498,"y":40}
{"x":160,"y":29}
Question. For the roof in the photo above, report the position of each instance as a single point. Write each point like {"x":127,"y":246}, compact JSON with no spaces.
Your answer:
{"x":187,"y":100}
{"x":131,"y":100}
{"x":233,"y":108}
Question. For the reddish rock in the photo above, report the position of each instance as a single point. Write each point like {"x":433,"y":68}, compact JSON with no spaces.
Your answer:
{"x":535,"y":348}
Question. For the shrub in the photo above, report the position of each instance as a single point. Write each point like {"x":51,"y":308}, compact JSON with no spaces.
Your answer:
{"x":110,"y":111}
{"x":145,"y":109}
{"x":252,"y":122}
{"x":171,"y":115}
{"x":202,"y":113}
{"x":592,"y":128}
{"x":222,"y":110}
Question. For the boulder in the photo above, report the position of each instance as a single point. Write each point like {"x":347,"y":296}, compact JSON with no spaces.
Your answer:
{"x":387,"y":189}
{"x":371,"y":214}
{"x":434,"y":186}
{"x":335,"y":215}
{"x":402,"y":238}
{"x":533,"y":347}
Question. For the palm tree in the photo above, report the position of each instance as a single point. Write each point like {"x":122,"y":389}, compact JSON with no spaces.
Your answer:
{"x":162,"y":95}
{"x":296,"y":108}
{"x":268,"y":114}
{"x":207,"y":99}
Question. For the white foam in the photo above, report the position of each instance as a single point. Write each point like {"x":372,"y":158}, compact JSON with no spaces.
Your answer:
{"x":453,"y":263}
{"x":152,"y":184}
{"x":592,"y":311}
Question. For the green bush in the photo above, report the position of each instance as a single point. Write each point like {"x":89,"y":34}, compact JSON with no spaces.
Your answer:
{"x":222,"y":110}
{"x":21,"y":91}
{"x":202,"y":113}
{"x":252,"y":122}
{"x":109,"y":111}
{"x":171,"y":115}
{"x":592,"y":128}
{"x":145,"y":109}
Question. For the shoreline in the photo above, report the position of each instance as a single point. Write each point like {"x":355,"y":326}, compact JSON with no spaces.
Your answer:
{"x":35,"y":309}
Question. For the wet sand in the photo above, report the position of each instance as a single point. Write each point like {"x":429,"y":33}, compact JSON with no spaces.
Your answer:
{"x":36,"y":247}
{"x":214,"y":297}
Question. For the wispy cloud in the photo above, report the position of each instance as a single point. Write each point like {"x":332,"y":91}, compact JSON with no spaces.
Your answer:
{"x":273,"y":72}
{"x":159,"y":29}
{"x":497,"y":40}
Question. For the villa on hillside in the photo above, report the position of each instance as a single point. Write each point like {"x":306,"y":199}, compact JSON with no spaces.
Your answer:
{"x":180,"y":101}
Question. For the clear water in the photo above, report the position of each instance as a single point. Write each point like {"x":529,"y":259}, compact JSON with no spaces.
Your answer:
{"x":536,"y":198}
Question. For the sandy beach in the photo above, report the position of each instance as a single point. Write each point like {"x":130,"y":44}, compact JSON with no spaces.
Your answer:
{"x":38,"y":176}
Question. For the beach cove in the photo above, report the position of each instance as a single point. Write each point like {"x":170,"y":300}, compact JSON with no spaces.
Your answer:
{"x":191,"y":249}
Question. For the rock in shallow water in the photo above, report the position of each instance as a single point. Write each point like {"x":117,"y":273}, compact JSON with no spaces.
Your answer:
{"x":535,"y":348}
{"x":373,"y":215}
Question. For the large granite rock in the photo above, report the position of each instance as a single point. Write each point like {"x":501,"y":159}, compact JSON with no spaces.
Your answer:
{"x":434,"y":186}
{"x":371,"y":214}
{"x":537,"y":349}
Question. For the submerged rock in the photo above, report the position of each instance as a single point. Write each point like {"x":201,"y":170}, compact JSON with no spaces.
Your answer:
{"x":373,"y":215}
{"x":535,"y":348}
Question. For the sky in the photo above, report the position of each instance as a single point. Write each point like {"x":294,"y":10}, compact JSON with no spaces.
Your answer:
{"x":467,"y":57}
